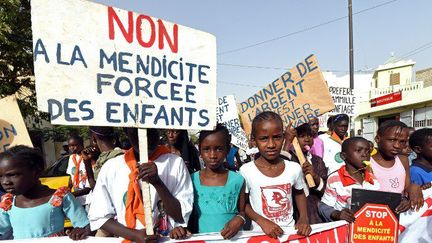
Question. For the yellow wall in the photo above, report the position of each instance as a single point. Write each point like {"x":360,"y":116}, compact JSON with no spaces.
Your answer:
{"x":383,"y":77}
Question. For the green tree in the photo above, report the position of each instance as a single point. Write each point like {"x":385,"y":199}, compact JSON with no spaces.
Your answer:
{"x":17,"y":72}
{"x":16,"y":57}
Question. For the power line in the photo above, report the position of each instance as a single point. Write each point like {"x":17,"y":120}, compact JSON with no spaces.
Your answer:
{"x":240,"y":84}
{"x":416,"y":50}
{"x":304,"y":30}
{"x":281,"y":68}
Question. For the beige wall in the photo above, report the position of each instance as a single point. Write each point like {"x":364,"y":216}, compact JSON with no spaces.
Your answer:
{"x":425,"y":75}
{"x":383,"y":77}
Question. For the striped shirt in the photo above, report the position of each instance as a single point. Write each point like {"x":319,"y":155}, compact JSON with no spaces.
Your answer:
{"x":340,"y":184}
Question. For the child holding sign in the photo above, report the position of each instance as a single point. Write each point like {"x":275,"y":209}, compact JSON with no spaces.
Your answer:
{"x":314,"y":166}
{"x":271,"y":182}
{"x":421,"y":168}
{"x":117,"y":192}
{"x":336,"y":201}
{"x":20,"y":168}
{"x":219,"y":192}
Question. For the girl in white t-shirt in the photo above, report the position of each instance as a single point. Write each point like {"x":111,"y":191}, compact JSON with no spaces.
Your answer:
{"x":272,"y":183}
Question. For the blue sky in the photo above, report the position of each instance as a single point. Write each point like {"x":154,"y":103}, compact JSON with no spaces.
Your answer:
{"x":400,"y":26}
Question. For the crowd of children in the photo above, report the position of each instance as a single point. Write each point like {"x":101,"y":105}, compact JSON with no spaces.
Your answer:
{"x":194,"y":191}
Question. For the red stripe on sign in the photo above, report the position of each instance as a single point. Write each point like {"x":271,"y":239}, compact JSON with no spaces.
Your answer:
{"x":401,"y":228}
{"x":262,"y":239}
{"x":427,"y":213}
{"x":342,"y":233}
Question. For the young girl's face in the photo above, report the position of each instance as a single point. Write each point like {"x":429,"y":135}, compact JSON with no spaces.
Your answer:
{"x":172,"y":136}
{"x":213,"y":150}
{"x":306,"y":141}
{"x":269,"y":139}
{"x":16,"y":177}
{"x":392,"y":141}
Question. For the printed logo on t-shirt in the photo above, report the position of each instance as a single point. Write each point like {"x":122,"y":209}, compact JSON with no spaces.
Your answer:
{"x":394,"y":182}
{"x":276,"y":202}
{"x":338,"y":158}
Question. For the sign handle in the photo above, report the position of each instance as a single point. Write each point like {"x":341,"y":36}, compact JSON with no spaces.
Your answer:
{"x":145,"y":186}
{"x":302,"y":160}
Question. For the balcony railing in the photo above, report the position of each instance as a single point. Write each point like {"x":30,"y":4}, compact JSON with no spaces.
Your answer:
{"x":376,"y":92}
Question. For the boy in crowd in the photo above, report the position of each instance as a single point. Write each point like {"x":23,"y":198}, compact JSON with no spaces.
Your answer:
{"x":76,"y":169}
{"x":336,"y":201}
{"x":421,"y":168}
{"x":118,"y":207}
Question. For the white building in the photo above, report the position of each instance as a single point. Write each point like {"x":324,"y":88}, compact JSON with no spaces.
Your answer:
{"x":395,"y":93}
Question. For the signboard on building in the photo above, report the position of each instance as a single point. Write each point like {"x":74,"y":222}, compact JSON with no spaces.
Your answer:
{"x":386,"y":99}
{"x":13,"y":130}
{"x":99,"y":65}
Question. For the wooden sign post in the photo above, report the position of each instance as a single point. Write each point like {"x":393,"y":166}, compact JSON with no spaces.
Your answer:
{"x":299,"y":152}
{"x":145,"y":186}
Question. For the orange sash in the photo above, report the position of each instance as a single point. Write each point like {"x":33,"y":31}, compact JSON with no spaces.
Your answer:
{"x":134,"y":200}
{"x":77,"y":164}
{"x":336,"y":138}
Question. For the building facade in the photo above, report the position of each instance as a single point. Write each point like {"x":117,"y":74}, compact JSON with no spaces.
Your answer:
{"x":396,"y":94}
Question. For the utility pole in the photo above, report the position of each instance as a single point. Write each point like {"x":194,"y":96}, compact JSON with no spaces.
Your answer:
{"x":351,"y":56}
{"x":351,"y":49}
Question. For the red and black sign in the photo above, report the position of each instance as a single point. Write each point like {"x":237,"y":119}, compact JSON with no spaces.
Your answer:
{"x":386,"y":99}
{"x":374,"y":223}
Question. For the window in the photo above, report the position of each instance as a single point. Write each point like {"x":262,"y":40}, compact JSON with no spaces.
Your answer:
{"x":395,"y":79}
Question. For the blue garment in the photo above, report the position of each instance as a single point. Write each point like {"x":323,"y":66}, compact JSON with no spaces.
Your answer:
{"x":43,"y":220}
{"x":411,"y":157}
{"x":216,"y":205}
{"x":420,"y":174}
{"x":231,"y":156}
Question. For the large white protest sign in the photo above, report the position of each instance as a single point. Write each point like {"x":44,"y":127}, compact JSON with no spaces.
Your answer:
{"x":13,"y":130}
{"x":99,"y":65}
{"x":227,"y":114}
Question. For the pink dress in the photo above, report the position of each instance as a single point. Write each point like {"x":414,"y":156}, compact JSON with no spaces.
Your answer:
{"x":317,"y":147}
{"x":391,"y":179}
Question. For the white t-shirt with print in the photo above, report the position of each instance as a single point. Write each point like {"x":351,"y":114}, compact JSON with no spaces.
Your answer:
{"x":83,"y":183}
{"x":331,"y":157}
{"x":271,"y":197}
{"x":109,"y":194}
